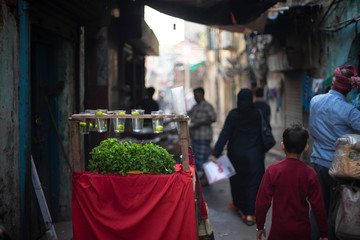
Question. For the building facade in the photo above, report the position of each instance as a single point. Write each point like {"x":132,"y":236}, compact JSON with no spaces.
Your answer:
{"x":59,"y":58}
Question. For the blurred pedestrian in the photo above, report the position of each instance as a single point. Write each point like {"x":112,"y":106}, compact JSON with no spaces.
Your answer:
{"x":148,"y":103}
{"x":202,"y":115}
{"x":242,"y":134}
{"x":331,"y":117}
{"x":253,"y":86}
{"x":290,"y":186}
{"x":261,"y":104}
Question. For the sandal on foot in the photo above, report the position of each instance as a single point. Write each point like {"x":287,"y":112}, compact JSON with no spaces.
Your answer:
{"x":249,"y":220}
{"x":233,"y":207}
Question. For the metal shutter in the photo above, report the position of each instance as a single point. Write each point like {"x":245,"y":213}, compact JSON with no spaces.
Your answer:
{"x":292,"y":97}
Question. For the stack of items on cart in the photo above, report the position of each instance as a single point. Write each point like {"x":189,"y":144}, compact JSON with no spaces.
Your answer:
{"x":345,"y":169}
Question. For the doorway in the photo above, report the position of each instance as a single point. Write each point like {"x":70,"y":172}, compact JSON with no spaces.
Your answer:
{"x":44,"y":114}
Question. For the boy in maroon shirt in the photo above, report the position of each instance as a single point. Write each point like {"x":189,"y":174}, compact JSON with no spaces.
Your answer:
{"x":291,"y":186}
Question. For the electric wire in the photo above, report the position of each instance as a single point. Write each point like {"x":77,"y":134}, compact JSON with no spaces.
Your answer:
{"x":340,"y":25}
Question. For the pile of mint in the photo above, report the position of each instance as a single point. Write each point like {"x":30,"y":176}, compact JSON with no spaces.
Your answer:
{"x":113,"y":156}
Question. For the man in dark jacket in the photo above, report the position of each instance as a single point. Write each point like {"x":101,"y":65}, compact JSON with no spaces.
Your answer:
{"x":261,"y":104}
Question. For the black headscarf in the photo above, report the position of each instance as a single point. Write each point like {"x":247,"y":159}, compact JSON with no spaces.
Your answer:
{"x":241,"y":129}
{"x":245,"y":99}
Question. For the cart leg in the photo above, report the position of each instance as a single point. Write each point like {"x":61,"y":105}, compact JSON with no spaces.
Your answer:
{"x":184,"y":137}
{"x":76,"y":148}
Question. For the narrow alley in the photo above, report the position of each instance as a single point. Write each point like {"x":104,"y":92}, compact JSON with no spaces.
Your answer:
{"x":75,"y":74}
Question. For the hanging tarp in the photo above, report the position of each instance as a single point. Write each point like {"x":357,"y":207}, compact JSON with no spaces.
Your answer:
{"x":212,"y":12}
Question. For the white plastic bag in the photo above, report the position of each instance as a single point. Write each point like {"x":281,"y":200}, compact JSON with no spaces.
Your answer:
{"x":346,"y":159}
{"x":178,"y":100}
{"x":216,"y":172}
{"x":347,"y":222}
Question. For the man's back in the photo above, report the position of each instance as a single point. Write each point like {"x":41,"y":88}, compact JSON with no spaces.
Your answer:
{"x":330,"y":118}
{"x":264,"y":108}
{"x":261,"y":104}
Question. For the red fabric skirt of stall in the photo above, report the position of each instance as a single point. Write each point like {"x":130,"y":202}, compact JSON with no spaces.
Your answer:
{"x":137,"y":206}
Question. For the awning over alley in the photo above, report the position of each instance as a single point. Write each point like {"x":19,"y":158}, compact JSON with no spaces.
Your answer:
{"x":213,"y":12}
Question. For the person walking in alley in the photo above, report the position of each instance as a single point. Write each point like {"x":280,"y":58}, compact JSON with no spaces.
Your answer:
{"x":261,"y":104}
{"x":202,"y":115}
{"x":253,"y":87}
{"x":148,"y":103}
{"x":290,"y":185}
{"x":242,"y":133}
{"x":331,"y":116}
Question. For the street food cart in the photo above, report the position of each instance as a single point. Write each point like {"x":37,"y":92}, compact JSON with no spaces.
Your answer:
{"x":135,"y":206}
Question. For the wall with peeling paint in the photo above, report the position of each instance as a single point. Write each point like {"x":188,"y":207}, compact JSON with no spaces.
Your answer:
{"x":9,"y":119}
{"x":57,"y":54}
{"x":338,"y":44}
{"x":321,"y":38}
{"x":66,"y":109}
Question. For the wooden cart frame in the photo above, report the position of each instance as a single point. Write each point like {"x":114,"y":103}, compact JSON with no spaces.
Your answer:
{"x":75,"y":133}
{"x":78,"y":160}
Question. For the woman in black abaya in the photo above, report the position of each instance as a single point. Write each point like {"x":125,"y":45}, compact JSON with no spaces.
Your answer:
{"x":242,"y":133}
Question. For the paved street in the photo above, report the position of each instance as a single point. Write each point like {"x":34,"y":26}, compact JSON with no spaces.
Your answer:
{"x":226,"y":223}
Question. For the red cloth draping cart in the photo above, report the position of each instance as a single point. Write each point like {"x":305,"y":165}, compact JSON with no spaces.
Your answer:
{"x":137,"y":206}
